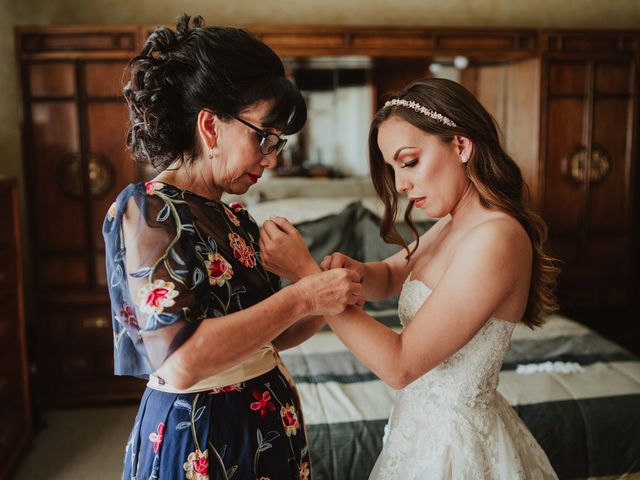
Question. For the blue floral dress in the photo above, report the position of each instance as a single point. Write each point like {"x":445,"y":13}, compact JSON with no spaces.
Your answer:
{"x":175,"y":259}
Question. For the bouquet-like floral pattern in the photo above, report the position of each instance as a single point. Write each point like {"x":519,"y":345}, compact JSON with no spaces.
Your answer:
{"x":155,"y":297}
{"x":243,"y":252}
{"x":219,"y":269}
{"x":197,"y":466}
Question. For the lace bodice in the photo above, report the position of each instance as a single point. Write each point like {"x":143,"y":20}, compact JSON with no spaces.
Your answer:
{"x":470,"y":376}
{"x":452,"y":423}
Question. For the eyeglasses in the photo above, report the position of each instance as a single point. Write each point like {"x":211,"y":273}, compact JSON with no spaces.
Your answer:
{"x":269,"y":142}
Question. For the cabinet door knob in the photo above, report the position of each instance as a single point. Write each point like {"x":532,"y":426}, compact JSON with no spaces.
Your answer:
{"x":100,"y":175}
{"x":574,"y":165}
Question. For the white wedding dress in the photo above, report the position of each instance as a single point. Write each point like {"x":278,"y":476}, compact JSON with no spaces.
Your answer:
{"x":451,"y":423}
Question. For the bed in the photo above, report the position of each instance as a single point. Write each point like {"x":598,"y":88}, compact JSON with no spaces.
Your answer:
{"x":578,"y":392}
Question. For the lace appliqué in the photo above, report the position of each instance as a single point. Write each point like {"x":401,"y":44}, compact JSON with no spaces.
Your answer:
{"x":451,"y":422}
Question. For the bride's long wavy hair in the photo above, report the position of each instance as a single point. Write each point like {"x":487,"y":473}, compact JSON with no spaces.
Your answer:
{"x":493,"y":173}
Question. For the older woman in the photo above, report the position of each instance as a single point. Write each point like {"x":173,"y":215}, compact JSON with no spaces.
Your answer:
{"x":194,"y":310}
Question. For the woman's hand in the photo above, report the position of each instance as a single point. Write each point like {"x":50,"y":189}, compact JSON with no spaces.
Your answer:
{"x":331,"y":292}
{"x":283,"y":250}
{"x":339,"y":260}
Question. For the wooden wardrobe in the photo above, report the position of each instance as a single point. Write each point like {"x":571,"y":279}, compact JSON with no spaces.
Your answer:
{"x":573,"y":121}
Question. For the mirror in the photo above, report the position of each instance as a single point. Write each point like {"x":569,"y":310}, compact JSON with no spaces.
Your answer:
{"x":344,"y":92}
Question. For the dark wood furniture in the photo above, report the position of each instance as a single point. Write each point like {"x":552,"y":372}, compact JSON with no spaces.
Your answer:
{"x":589,"y":162}
{"x":75,"y":122}
{"x":567,"y":100}
{"x":15,"y":410}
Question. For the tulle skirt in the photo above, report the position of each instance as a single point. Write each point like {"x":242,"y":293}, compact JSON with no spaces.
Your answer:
{"x":449,"y":442}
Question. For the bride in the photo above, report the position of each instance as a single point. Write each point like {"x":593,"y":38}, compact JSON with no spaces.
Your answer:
{"x":463,"y":286}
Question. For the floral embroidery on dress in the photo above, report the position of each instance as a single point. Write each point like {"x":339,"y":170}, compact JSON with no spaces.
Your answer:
{"x":219,"y":269}
{"x":237,"y":387}
{"x":155,"y":297}
{"x":263,"y":404}
{"x":153,"y":186}
{"x":127,"y":316}
{"x":111,"y":213}
{"x":191,"y":274}
{"x":157,"y":437}
{"x":242,"y":251}
{"x":290,"y":419}
{"x":304,"y":471}
{"x":231,"y":216}
{"x":197,"y":465}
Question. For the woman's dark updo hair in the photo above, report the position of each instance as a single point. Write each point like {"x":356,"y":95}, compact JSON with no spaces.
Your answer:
{"x":179,"y":73}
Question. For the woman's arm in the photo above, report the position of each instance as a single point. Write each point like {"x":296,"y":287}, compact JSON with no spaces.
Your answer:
{"x":284,"y":252}
{"x":384,"y":279}
{"x":221,"y":342}
{"x":492,"y":266}
{"x":377,"y":277}
{"x":299,"y":332}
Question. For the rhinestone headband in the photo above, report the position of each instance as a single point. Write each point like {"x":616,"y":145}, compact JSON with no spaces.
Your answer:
{"x":420,"y":109}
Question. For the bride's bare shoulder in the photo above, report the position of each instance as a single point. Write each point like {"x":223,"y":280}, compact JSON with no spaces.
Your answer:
{"x":501,"y":236}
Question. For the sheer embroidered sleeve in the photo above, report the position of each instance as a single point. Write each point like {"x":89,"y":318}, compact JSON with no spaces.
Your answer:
{"x":157,"y":281}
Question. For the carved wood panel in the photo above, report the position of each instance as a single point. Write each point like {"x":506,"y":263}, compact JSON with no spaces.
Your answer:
{"x":589,"y":128}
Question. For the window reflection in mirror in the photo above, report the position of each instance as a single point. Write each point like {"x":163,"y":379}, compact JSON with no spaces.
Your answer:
{"x":339,"y":96}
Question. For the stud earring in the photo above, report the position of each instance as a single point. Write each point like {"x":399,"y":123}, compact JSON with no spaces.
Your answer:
{"x":464,"y":158}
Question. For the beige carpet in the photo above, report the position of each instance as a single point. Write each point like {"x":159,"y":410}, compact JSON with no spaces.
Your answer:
{"x":83,"y":443}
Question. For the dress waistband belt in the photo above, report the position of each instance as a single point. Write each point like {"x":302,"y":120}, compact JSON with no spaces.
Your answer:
{"x":265,"y":359}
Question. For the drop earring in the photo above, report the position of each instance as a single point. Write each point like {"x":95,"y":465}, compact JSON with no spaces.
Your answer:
{"x":210,"y":154}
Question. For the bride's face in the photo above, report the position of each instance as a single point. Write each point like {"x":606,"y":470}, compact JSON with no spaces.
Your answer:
{"x":429,"y":171}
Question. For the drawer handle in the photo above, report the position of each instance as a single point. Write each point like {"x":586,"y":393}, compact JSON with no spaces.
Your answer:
{"x":96,"y":322}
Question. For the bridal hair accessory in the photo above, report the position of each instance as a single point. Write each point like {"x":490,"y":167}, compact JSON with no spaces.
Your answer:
{"x":420,"y":109}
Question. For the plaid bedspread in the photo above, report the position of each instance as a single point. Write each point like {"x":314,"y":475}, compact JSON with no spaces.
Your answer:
{"x":578,"y":393}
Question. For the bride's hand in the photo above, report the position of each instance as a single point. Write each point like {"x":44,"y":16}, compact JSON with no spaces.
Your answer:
{"x":283,"y":250}
{"x":340,"y":260}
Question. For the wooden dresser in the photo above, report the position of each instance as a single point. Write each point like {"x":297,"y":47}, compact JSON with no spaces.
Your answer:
{"x":15,"y":412}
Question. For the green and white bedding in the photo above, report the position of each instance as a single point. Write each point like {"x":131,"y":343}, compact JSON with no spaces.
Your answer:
{"x":578,"y":393}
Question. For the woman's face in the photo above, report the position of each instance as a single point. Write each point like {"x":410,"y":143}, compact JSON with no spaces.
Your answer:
{"x":237,"y":162}
{"x":428,"y":170}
